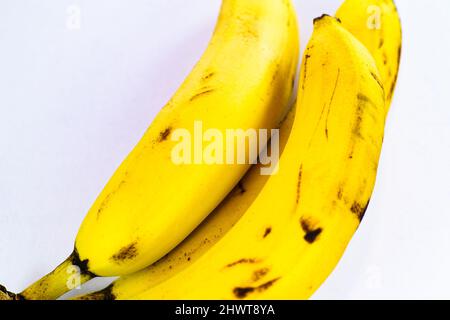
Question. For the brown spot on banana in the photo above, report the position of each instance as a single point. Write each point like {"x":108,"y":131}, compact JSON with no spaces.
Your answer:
{"x":243,"y":292}
{"x":340,"y":193}
{"x":208,"y":76}
{"x":311,"y":233}
{"x":359,"y":210}
{"x":201,"y":94}
{"x":363,"y":98}
{"x":305,"y":72}
{"x":267,"y":232}
{"x":243,"y":261}
{"x":299,"y":184}
{"x":358,"y":121}
{"x":259,"y":274}
{"x":128,"y":252}
{"x":163,"y":135}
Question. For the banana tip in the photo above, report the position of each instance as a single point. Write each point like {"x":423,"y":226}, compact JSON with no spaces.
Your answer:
{"x":325,"y":17}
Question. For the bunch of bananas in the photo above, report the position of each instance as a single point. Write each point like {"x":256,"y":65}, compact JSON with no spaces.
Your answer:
{"x":172,"y":231}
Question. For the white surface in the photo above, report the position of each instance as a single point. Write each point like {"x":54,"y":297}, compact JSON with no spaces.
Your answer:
{"x":75,"y":101}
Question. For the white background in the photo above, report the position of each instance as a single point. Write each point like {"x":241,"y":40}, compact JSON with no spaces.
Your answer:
{"x":74,"y":102}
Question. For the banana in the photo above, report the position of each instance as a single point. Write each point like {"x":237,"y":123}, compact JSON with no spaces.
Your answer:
{"x":294,"y":233}
{"x":232,"y":208}
{"x":377,"y":25}
{"x":212,"y":229}
{"x":151,"y":204}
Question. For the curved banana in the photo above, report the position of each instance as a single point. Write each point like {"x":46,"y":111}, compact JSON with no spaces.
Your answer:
{"x":151,"y":204}
{"x":377,"y":25}
{"x":212,"y":229}
{"x":232,"y":208}
{"x":294,"y":233}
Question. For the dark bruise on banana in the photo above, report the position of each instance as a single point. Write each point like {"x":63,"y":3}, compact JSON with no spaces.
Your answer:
{"x":163,"y":135}
{"x":267,"y":232}
{"x":359,"y":210}
{"x":243,"y":292}
{"x":127,"y":253}
{"x":257,"y":275}
{"x":310,"y":230}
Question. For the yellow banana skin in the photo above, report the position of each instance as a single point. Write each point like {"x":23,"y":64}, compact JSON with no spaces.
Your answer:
{"x":223,"y":218}
{"x":315,"y":203}
{"x":377,"y":25}
{"x":218,"y":223}
{"x":150,"y":204}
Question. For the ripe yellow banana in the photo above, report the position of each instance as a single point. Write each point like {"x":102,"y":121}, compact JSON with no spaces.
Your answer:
{"x":232,"y":208}
{"x":377,"y":25}
{"x":151,"y":204}
{"x":212,"y":229}
{"x":294,"y":233}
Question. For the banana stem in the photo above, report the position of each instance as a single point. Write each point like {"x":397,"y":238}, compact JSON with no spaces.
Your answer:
{"x":69,"y":275}
{"x":6,"y":295}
